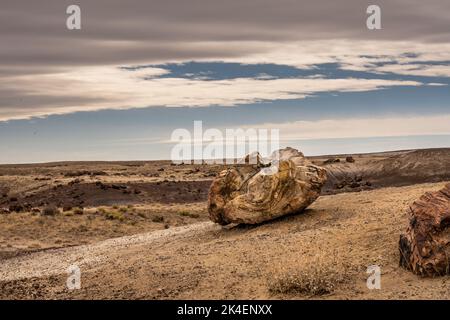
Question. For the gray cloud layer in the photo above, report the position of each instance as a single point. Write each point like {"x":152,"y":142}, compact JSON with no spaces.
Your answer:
{"x":36,"y":42}
{"x":115,"y":31}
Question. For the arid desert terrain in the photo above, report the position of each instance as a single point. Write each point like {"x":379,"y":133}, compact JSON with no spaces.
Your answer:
{"x":140,"y":230}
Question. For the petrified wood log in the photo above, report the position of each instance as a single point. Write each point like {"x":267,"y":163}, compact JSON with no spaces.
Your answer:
{"x":425,"y":247}
{"x":251,"y":194}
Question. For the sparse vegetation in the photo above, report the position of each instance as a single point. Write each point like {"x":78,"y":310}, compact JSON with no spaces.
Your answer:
{"x":50,"y":211}
{"x":114,"y":215}
{"x":67,"y":213}
{"x":101,"y":210}
{"x":158,"y":219}
{"x":142,"y":214}
{"x":80,"y":173}
{"x":111,"y":214}
{"x":123,"y":209}
{"x":78,"y":211}
{"x":317,"y":277}
{"x":188,"y":214}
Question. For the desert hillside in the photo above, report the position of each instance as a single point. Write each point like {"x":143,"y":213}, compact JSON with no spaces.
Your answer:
{"x":377,"y":170}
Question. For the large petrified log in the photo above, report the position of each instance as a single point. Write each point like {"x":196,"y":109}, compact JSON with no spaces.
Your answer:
{"x":425,"y":247}
{"x":251,"y":194}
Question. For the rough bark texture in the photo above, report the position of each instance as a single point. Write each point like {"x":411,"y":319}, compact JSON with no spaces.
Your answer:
{"x":252,"y":194}
{"x":425,"y":247}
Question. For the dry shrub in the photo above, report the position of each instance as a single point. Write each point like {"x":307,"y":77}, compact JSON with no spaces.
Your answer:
{"x":141,"y":214}
{"x":315,"y":277}
{"x":78,"y":211}
{"x":114,"y":215}
{"x":158,"y":219}
{"x":123,"y":209}
{"x":189,"y":214}
{"x":101,"y":211}
{"x":50,"y":211}
{"x":111,"y":214}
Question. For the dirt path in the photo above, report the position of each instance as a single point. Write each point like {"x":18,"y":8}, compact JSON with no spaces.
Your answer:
{"x":56,"y":261}
{"x":339,"y":234}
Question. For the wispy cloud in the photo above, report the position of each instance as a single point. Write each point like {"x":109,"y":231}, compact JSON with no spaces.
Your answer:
{"x":119,"y":88}
{"x":363,"y":127}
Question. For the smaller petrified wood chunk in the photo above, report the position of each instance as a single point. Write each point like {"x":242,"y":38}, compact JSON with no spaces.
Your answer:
{"x":425,"y":247}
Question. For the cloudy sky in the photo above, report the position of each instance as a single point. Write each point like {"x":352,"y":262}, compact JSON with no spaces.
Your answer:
{"x":137,"y":70}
